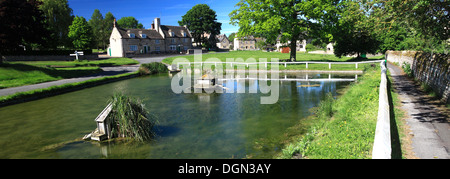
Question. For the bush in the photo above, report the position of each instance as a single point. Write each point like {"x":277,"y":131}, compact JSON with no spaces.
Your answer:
{"x":152,"y":68}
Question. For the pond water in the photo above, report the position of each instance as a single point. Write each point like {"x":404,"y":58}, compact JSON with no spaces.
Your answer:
{"x":228,"y":125}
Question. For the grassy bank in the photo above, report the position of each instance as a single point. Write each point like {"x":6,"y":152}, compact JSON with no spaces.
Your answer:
{"x":13,"y":74}
{"x":55,"y":90}
{"x":344,"y":128}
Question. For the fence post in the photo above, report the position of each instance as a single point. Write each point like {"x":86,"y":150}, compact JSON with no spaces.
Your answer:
{"x":329,"y":65}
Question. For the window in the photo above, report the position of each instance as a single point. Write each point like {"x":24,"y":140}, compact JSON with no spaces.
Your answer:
{"x":185,"y":40}
{"x":144,"y":35}
{"x":184,"y":34}
{"x":172,"y":41}
{"x":186,"y":47}
{"x":173,"y":47}
{"x":156,"y":41}
{"x":157,"y":49}
{"x":132,"y":36}
{"x":172,"y":34}
{"x":133,"y":48}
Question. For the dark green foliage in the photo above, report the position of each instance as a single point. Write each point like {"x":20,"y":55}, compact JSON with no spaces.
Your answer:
{"x":130,"y":119}
{"x":129,"y":23}
{"x":152,"y":68}
{"x":58,"y":17}
{"x":21,"y":23}
{"x":199,"y":20}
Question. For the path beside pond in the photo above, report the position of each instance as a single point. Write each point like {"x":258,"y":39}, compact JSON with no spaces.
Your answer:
{"x":107,"y":71}
{"x":425,"y":117}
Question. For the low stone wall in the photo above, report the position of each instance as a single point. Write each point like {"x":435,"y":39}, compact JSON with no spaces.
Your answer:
{"x":431,"y":69}
{"x":382,"y":143}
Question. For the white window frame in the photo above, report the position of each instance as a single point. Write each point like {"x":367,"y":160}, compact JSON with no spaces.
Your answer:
{"x":157,"y":41}
{"x":133,"y":48}
{"x":172,"y":41}
{"x":144,"y":35}
{"x":172,"y":34}
{"x":173,"y":47}
{"x":132,"y":35}
{"x":158,"y":48}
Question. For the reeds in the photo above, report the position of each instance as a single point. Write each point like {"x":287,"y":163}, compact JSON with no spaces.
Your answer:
{"x":130,"y":119}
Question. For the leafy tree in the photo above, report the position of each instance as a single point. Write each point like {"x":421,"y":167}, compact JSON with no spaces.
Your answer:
{"x":354,"y":32}
{"x":108,"y":27}
{"x":231,"y":37}
{"x":58,"y":17}
{"x":129,"y":23}
{"x":21,"y":26}
{"x":289,"y":19}
{"x":97,"y":24}
{"x":199,"y":20}
{"x":80,"y":32}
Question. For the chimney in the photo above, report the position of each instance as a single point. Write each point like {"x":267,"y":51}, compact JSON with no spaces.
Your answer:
{"x":114,"y":22}
{"x":157,"y":24}
{"x":153,"y":25}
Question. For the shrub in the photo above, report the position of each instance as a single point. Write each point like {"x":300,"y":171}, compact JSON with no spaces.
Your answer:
{"x":152,"y":68}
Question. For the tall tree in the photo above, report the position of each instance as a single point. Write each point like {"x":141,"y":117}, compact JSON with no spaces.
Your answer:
{"x":271,"y":19}
{"x":129,"y":23}
{"x":98,"y":28}
{"x":108,"y":27}
{"x":58,"y":16}
{"x":80,"y":32}
{"x":21,"y":23}
{"x":199,"y":20}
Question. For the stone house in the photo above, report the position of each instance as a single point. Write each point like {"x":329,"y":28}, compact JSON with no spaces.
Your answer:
{"x":245,"y":43}
{"x":223,"y":41}
{"x":158,"y":39}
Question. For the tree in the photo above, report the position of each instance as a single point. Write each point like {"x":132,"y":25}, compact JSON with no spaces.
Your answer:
{"x":80,"y":32}
{"x":272,"y":18}
{"x":355,"y":29}
{"x":96,"y":23}
{"x":21,"y":26}
{"x":108,"y":27}
{"x":129,"y":23}
{"x":58,"y":17}
{"x":199,"y":20}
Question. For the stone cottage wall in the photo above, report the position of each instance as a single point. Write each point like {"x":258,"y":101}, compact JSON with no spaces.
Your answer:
{"x":431,"y":69}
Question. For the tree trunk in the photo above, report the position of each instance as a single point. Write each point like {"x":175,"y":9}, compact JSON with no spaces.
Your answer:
{"x":293,"y":47}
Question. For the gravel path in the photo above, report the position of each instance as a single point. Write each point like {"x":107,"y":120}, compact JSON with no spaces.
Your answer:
{"x":429,"y":124}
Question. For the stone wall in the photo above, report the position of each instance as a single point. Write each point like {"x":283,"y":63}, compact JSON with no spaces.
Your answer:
{"x":431,"y":69}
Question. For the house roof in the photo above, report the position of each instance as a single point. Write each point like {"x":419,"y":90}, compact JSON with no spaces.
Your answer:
{"x":176,"y":29}
{"x":151,"y":34}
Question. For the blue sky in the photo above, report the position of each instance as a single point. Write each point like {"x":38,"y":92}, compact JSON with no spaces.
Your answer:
{"x":170,"y":11}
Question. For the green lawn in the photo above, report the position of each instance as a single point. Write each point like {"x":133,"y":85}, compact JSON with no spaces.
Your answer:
{"x":245,"y":55}
{"x":13,"y":74}
{"x":84,"y":63}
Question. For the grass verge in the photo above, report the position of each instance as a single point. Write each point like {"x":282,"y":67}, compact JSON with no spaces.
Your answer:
{"x":344,"y":128}
{"x":60,"y":89}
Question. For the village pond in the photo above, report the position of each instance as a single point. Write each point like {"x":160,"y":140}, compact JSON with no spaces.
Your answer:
{"x":227,"y":125}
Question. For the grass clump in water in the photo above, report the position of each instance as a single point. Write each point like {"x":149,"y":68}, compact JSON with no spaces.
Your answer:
{"x":130,"y":119}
